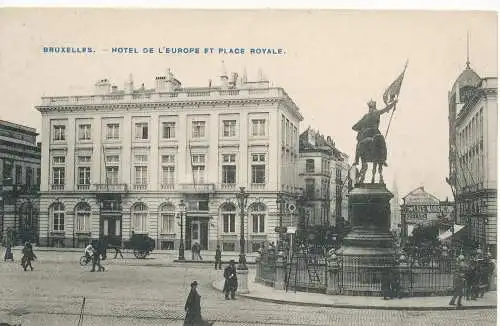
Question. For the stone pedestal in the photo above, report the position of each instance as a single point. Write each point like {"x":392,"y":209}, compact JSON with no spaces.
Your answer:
{"x":367,"y":249}
{"x":242,"y":281}
{"x":279,"y":282}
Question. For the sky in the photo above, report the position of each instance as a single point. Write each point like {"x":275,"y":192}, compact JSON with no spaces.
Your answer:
{"x":334,"y":62}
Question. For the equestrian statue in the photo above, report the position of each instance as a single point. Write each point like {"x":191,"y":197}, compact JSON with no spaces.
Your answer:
{"x":371,"y":146}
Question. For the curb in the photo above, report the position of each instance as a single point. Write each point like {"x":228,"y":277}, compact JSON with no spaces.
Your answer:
{"x":356,"y":306}
{"x":205,"y":262}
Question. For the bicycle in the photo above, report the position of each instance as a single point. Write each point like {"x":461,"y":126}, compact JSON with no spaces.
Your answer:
{"x":85,"y":260}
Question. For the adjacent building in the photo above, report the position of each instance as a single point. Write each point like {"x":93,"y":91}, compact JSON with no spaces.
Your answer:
{"x":19,"y":183}
{"x":422,"y":208}
{"x":120,"y":161}
{"x":323,"y":170}
{"x":473,"y":132}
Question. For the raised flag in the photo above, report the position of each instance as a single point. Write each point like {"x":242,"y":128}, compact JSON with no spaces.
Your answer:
{"x":392,"y":92}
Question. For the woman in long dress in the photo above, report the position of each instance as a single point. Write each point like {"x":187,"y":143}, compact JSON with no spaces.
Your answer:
{"x":193,"y":308}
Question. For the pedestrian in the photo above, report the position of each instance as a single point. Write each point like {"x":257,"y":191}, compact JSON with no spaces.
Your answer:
{"x":96,"y":258}
{"x":118,"y":251}
{"x":8,"y":254}
{"x":459,"y":283}
{"x":231,"y":282}
{"x":218,"y":257}
{"x":28,"y":256}
{"x":385,"y":283}
{"x":89,"y":252}
{"x":395,"y":284}
{"x":196,"y":251}
{"x":193,"y":308}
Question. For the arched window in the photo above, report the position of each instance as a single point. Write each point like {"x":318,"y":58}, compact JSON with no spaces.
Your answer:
{"x":258,"y":216}
{"x":82,"y":217}
{"x":167,"y":214}
{"x":57,"y":216}
{"x":228,"y":212}
{"x":139,"y":218}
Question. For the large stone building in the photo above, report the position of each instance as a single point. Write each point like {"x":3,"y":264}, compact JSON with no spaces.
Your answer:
{"x":118,"y":162}
{"x":473,"y":132}
{"x":19,"y":183}
{"x":323,"y":170}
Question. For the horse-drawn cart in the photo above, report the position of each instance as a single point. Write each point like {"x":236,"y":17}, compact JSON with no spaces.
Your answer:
{"x":141,"y":244}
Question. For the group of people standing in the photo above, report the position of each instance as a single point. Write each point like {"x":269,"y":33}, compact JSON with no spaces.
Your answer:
{"x":471,"y":280}
{"x":28,"y":255}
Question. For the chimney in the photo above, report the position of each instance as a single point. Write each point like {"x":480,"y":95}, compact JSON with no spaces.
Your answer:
{"x":223,"y":76}
{"x":129,"y":86}
{"x":102,"y":87}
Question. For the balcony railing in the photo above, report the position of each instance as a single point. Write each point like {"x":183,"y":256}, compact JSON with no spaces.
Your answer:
{"x":83,"y":187}
{"x":197,"y":188}
{"x":167,"y":186}
{"x":57,"y":187}
{"x":257,"y":186}
{"x":19,"y":188}
{"x":228,"y":186}
{"x":118,"y":187}
{"x":140,"y":186}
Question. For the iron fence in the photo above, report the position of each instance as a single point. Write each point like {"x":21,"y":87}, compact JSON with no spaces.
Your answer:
{"x":266,"y":273}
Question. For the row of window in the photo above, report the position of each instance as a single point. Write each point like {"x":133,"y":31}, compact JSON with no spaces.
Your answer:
{"x":13,"y":174}
{"x":168,"y":130}
{"x":325,"y":166}
{"x":167,"y":169}
{"x":167,"y":216}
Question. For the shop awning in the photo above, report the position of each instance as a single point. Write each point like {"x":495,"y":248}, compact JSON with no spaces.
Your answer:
{"x":448,"y":233}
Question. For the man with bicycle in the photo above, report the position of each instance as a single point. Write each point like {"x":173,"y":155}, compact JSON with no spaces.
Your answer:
{"x":89,"y":252}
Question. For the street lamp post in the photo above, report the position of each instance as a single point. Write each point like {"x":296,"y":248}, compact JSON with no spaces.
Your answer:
{"x":182,"y":209}
{"x":280,"y":202}
{"x":242,"y":197}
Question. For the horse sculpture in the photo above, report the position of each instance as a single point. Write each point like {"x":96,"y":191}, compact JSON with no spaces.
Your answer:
{"x":372,"y":150}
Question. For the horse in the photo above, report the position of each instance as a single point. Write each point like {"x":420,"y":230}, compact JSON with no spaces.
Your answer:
{"x":372,"y":150}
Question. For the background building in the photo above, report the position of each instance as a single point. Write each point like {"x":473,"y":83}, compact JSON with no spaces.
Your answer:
{"x":323,"y":170}
{"x":421,"y":208}
{"x":19,"y":182}
{"x":120,"y":161}
{"x":473,"y":116}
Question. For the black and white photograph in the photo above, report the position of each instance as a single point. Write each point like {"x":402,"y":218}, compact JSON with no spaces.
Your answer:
{"x":248,"y":167}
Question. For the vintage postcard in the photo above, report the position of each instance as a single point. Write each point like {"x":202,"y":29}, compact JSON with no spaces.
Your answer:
{"x":248,"y":167}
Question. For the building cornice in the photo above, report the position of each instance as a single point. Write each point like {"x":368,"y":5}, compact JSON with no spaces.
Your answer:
{"x":207,"y":104}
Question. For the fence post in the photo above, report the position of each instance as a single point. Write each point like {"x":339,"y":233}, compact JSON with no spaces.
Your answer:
{"x":279,"y":282}
{"x":257,"y":269}
{"x":333,"y":272}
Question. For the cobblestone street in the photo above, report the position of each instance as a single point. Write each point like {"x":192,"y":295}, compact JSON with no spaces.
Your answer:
{"x":144,"y":292}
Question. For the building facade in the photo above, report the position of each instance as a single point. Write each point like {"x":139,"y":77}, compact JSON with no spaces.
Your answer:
{"x":473,"y":129}
{"x":19,"y":183}
{"x":420,"y":208}
{"x":323,"y":170}
{"x":120,"y":162}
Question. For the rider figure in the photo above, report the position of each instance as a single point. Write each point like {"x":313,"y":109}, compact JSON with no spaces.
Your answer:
{"x":89,"y":251}
{"x":368,"y":126}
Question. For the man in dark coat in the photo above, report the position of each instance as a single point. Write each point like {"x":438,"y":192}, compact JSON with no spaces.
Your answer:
{"x":8,"y":254}
{"x":458,"y":284}
{"x":385,"y":283}
{"x":231,"y":283}
{"x":28,"y":256}
{"x":193,"y":308}
{"x":96,"y":258}
{"x":218,"y":257}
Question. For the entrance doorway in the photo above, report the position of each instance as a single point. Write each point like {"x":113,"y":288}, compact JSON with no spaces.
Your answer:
{"x":197,"y":231}
{"x":111,"y":227}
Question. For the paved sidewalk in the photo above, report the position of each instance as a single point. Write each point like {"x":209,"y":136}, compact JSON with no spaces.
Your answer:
{"x":267,"y":294}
